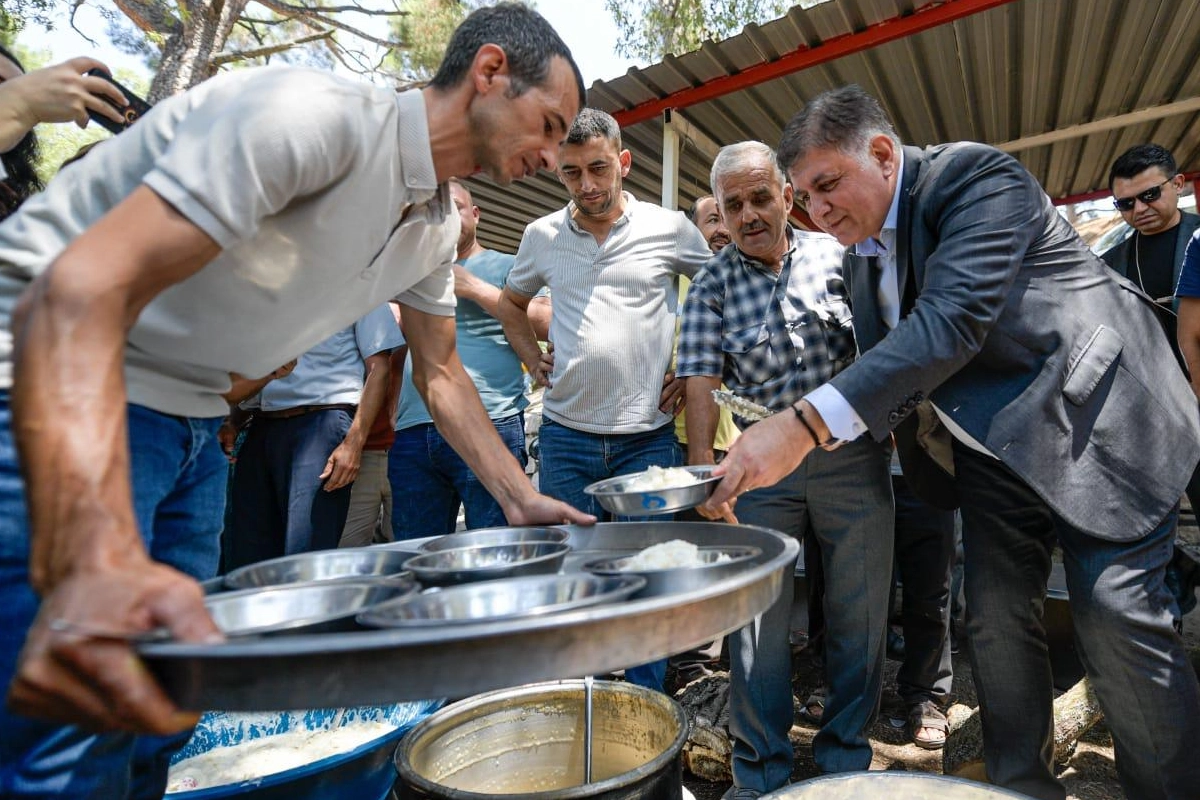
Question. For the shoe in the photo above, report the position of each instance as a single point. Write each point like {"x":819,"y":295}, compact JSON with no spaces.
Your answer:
{"x":734,"y":793}
{"x":927,"y":715}
{"x":813,"y":709}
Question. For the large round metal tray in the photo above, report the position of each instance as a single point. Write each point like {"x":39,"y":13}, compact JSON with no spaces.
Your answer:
{"x":387,"y":666}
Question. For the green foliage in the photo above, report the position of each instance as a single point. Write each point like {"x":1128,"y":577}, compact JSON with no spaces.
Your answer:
{"x":425,"y":29}
{"x":16,"y":14}
{"x":651,"y":29}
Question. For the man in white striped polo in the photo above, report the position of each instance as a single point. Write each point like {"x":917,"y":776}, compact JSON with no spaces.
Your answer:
{"x":611,"y":262}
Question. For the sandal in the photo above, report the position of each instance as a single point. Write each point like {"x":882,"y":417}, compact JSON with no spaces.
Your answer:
{"x":814,"y":707}
{"x":925,"y":716}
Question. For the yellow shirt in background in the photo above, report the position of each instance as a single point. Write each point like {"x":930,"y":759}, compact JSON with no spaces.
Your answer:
{"x":727,"y":432}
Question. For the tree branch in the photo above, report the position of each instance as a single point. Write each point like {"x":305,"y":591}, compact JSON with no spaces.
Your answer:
{"x":288,"y":8}
{"x":150,"y":16}
{"x":311,"y":17}
{"x":75,"y":6}
{"x":268,"y":50}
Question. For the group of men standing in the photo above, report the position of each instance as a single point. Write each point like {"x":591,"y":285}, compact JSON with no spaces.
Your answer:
{"x":944,"y":306}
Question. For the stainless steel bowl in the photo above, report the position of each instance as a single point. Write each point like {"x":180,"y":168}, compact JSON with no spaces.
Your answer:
{"x":613,"y":495}
{"x":682,"y":579}
{"x":469,"y":564}
{"x":481,"y":537}
{"x":321,"y":565}
{"x":494,"y":600}
{"x":300,"y":608}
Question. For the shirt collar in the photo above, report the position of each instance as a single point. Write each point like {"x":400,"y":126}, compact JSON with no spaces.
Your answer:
{"x":752,"y":263}
{"x":886,"y":241}
{"x":416,"y":153}
{"x":630,"y":203}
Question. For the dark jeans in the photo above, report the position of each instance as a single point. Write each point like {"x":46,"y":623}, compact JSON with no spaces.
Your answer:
{"x":430,"y":481}
{"x":1123,"y":614}
{"x":279,"y":503}
{"x":924,"y":553}
{"x":178,"y":477}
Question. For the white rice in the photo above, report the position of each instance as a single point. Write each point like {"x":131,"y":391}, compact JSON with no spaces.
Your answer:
{"x":267,"y":755}
{"x":656,"y":478}
{"x":674,"y":554}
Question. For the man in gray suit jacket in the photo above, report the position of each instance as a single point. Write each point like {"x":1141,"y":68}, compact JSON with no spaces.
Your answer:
{"x":977,"y":306}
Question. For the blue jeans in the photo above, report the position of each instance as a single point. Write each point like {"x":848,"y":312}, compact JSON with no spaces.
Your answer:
{"x":572,"y":459}
{"x":1123,"y":615}
{"x":279,"y":503}
{"x":844,"y":499}
{"x":430,"y":481}
{"x":178,"y":477}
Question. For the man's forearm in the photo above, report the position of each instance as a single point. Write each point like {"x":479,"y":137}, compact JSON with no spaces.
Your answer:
{"x":374,"y":392}
{"x":702,"y":416}
{"x":1189,"y":338}
{"x":68,"y":366}
{"x":69,"y":339}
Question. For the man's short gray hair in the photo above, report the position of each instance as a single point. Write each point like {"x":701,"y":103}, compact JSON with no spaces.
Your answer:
{"x":845,"y":119}
{"x":593,"y":123}
{"x":742,"y":156}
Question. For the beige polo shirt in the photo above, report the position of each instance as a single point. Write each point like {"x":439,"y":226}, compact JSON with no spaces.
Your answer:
{"x":302,"y":177}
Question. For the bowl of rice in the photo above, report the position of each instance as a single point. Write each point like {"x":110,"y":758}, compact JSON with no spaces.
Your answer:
{"x":677,"y":565}
{"x":657,"y":490}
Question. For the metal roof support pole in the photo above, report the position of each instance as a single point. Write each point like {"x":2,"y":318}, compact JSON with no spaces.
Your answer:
{"x":670,"y":164}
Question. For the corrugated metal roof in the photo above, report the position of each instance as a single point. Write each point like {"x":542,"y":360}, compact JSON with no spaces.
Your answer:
{"x":1016,"y":70}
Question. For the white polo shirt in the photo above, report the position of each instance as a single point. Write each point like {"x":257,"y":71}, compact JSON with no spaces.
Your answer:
{"x":302,"y":177}
{"x":613,"y":325}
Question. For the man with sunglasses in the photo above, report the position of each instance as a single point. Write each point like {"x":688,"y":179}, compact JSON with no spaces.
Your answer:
{"x":1145,"y":185}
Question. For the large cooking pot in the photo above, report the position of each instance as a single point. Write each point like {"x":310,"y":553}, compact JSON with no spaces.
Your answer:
{"x":893,"y":786}
{"x":363,"y":773}
{"x":529,"y":742}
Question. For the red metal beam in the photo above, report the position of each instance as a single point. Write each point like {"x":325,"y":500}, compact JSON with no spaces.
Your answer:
{"x":928,"y":16}
{"x":1083,"y":197}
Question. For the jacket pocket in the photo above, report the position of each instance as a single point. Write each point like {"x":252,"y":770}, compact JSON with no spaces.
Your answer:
{"x":1091,"y":363}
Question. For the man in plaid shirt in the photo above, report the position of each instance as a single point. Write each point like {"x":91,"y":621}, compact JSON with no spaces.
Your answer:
{"x":768,"y":317}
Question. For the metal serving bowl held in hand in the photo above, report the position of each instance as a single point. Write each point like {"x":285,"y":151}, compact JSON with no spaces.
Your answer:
{"x":494,"y":600}
{"x":469,"y":564}
{"x":614,"y":495}
{"x":486,"y":536}
{"x":321,"y":565}
{"x":300,"y":608}
{"x":681,"y":579}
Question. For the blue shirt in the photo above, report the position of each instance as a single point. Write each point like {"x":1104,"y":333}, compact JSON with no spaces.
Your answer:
{"x":485,"y":352}
{"x":1189,"y":276}
{"x":332,"y":370}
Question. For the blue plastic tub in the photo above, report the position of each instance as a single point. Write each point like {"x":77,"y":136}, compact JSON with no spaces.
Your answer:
{"x":365,"y":773}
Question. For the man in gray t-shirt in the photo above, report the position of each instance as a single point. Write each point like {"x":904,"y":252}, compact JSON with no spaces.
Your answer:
{"x":229,"y":229}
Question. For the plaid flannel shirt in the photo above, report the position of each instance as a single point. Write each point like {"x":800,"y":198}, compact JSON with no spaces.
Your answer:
{"x":772,"y":338}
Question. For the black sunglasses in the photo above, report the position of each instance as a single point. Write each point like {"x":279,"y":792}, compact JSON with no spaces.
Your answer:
{"x":1147,"y":197}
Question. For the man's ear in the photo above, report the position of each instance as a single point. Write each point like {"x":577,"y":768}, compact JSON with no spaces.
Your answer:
{"x":626,"y":160}
{"x":883,"y":152}
{"x":490,"y":63}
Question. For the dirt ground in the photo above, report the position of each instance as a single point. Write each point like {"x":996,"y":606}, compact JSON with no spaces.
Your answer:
{"x":1090,"y":774}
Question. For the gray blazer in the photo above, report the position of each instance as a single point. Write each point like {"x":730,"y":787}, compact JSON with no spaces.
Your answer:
{"x":1025,"y":340}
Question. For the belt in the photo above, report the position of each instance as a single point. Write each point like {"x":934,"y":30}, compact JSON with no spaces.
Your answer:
{"x":296,"y":411}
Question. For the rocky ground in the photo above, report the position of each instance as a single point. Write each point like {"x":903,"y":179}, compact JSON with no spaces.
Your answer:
{"x":1089,"y":774}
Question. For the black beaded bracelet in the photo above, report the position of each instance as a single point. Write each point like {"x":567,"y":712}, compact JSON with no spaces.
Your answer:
{"x":800,"y":416}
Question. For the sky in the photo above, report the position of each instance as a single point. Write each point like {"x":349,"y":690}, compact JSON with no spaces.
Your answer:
{"x":585,"y":25}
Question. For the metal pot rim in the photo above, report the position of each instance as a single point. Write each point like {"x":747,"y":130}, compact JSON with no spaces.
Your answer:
{"x":654,"y":765}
